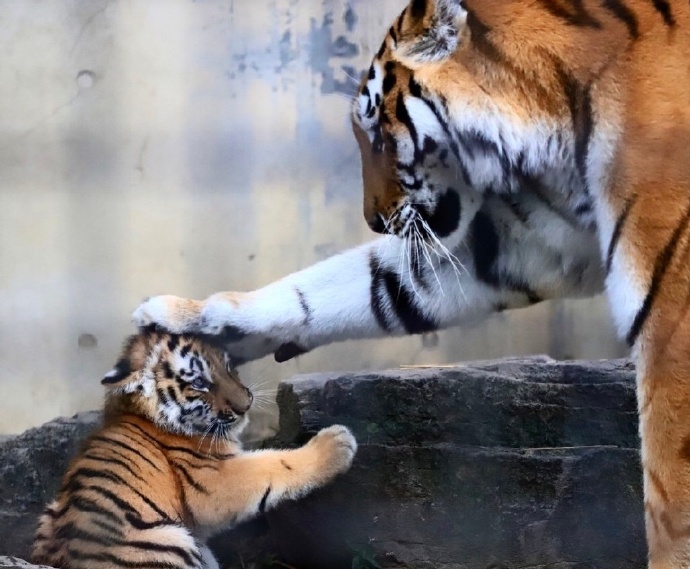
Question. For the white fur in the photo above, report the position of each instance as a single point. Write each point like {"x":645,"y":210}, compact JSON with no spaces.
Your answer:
{"x":554,"y":259}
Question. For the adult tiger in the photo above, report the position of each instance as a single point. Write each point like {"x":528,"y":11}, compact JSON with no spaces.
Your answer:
{"x":542,"y":146}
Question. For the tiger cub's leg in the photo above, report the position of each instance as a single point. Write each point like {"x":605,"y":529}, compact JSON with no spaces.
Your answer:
{"x":253,"y":482}
{"x":649,"y":290}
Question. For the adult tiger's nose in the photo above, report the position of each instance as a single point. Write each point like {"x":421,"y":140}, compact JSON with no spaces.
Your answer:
{"x":376,"y":223}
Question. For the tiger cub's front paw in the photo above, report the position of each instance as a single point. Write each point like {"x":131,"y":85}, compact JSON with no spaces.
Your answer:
{"x":336,"y":448}
{"x":174,"y":314}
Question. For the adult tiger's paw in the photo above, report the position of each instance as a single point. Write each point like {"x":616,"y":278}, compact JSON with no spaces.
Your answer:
{"x":228,"y":318}
{"x":172,"y":313}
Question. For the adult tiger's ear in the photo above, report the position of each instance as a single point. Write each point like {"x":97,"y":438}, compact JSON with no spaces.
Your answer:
{"x":429,"y":31}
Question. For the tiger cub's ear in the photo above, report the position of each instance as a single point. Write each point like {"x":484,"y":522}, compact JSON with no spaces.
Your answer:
{"x":120,"y":372}
{"x":429,"y":31}
{"x":122,"y":379}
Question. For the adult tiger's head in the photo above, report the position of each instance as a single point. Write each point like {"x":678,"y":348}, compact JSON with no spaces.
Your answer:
{"x":178,"y":382}
{"x":470,"y":97}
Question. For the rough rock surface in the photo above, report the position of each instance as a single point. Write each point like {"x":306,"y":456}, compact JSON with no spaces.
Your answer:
{"x":31,"y":467}
{"x":15,"y":563}
{"x":516,"y":463}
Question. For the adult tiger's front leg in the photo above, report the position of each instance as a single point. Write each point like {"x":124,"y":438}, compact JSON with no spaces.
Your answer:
{"x":649,"y":287}
{"x":371,"y":291}
{"x":395,"y":286}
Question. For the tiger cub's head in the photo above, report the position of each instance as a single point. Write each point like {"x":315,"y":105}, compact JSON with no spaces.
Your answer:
{"x":178,"y":382}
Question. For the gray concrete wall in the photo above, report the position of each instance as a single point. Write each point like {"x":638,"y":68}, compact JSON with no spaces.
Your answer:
{"x":180,"y":146}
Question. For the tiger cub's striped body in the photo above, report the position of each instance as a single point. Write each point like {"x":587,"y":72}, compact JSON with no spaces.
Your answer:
{"x":166,"y":471}
{"x":514,"y":150}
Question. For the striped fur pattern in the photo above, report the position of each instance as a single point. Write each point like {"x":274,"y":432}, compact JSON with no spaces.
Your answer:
{"x":166,"y":471}
{"x":513,"y":151}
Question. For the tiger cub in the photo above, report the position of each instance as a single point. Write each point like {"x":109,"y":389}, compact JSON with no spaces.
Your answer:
{"x":166,"y":470}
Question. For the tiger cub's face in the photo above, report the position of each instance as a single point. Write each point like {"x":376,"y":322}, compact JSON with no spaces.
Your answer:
{"x":179,"y":383}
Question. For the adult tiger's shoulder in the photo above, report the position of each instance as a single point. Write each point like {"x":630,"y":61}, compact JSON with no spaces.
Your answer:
{"x":167,"y":470}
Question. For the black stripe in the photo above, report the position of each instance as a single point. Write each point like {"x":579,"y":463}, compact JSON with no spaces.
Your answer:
{"x":262,"y":504}
{"x":91,"y":473}
{"x":538,"y":190}
{"x":172,"y":394}
{"x":415,"y":88}
{"x":116,"y":461}
{"x":88,"y":506}
{"x":198,"y":455}
{"x":185,"y":350}
{"x":580,"y":104}
{"x":115,"y":530}
{"x":660,"y":267}
{"x":286,"y":465}
{"x":122,"y":368}
{"x":382,"y":49}
{"x":198,"y":466}
{"x":193,"y":483}
{"x":400,"y":21}
{"x":475,"y":142}
{"x":377,"y":142}
{"x":137,"y":523}
{"x":173,"y":341}
{"x":413,"y":320}
{"x":76,"y":485}
{"x":288,"y":350}
{"x":617,"y":230}
{"x":191,"y":558}
{"x":124,"y":446}
{"x":625,"y":14}
{"x":113,"y":452}
{"x":417,"y":9}
{"x":55,"y":514}
{"x":167,"y":370}
{"x":453,"y":145}
{"x":306,"y":309}
{"x":479,"y":33}
{"x":512,"y":204}
{"x":578,"y":16}
{"x":377,"y":297}
{"x":389,"y":81}
{"x":163,"y":398}
{"x":71,"y":532}
{"x":664,"y":8}
{"x":404,"y":117}
{"x":445,"y":219}
{"x":484,"y":248}
{"x":119,"y":562}
{"x":187,"y":513}
{"x":485,"y":252}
